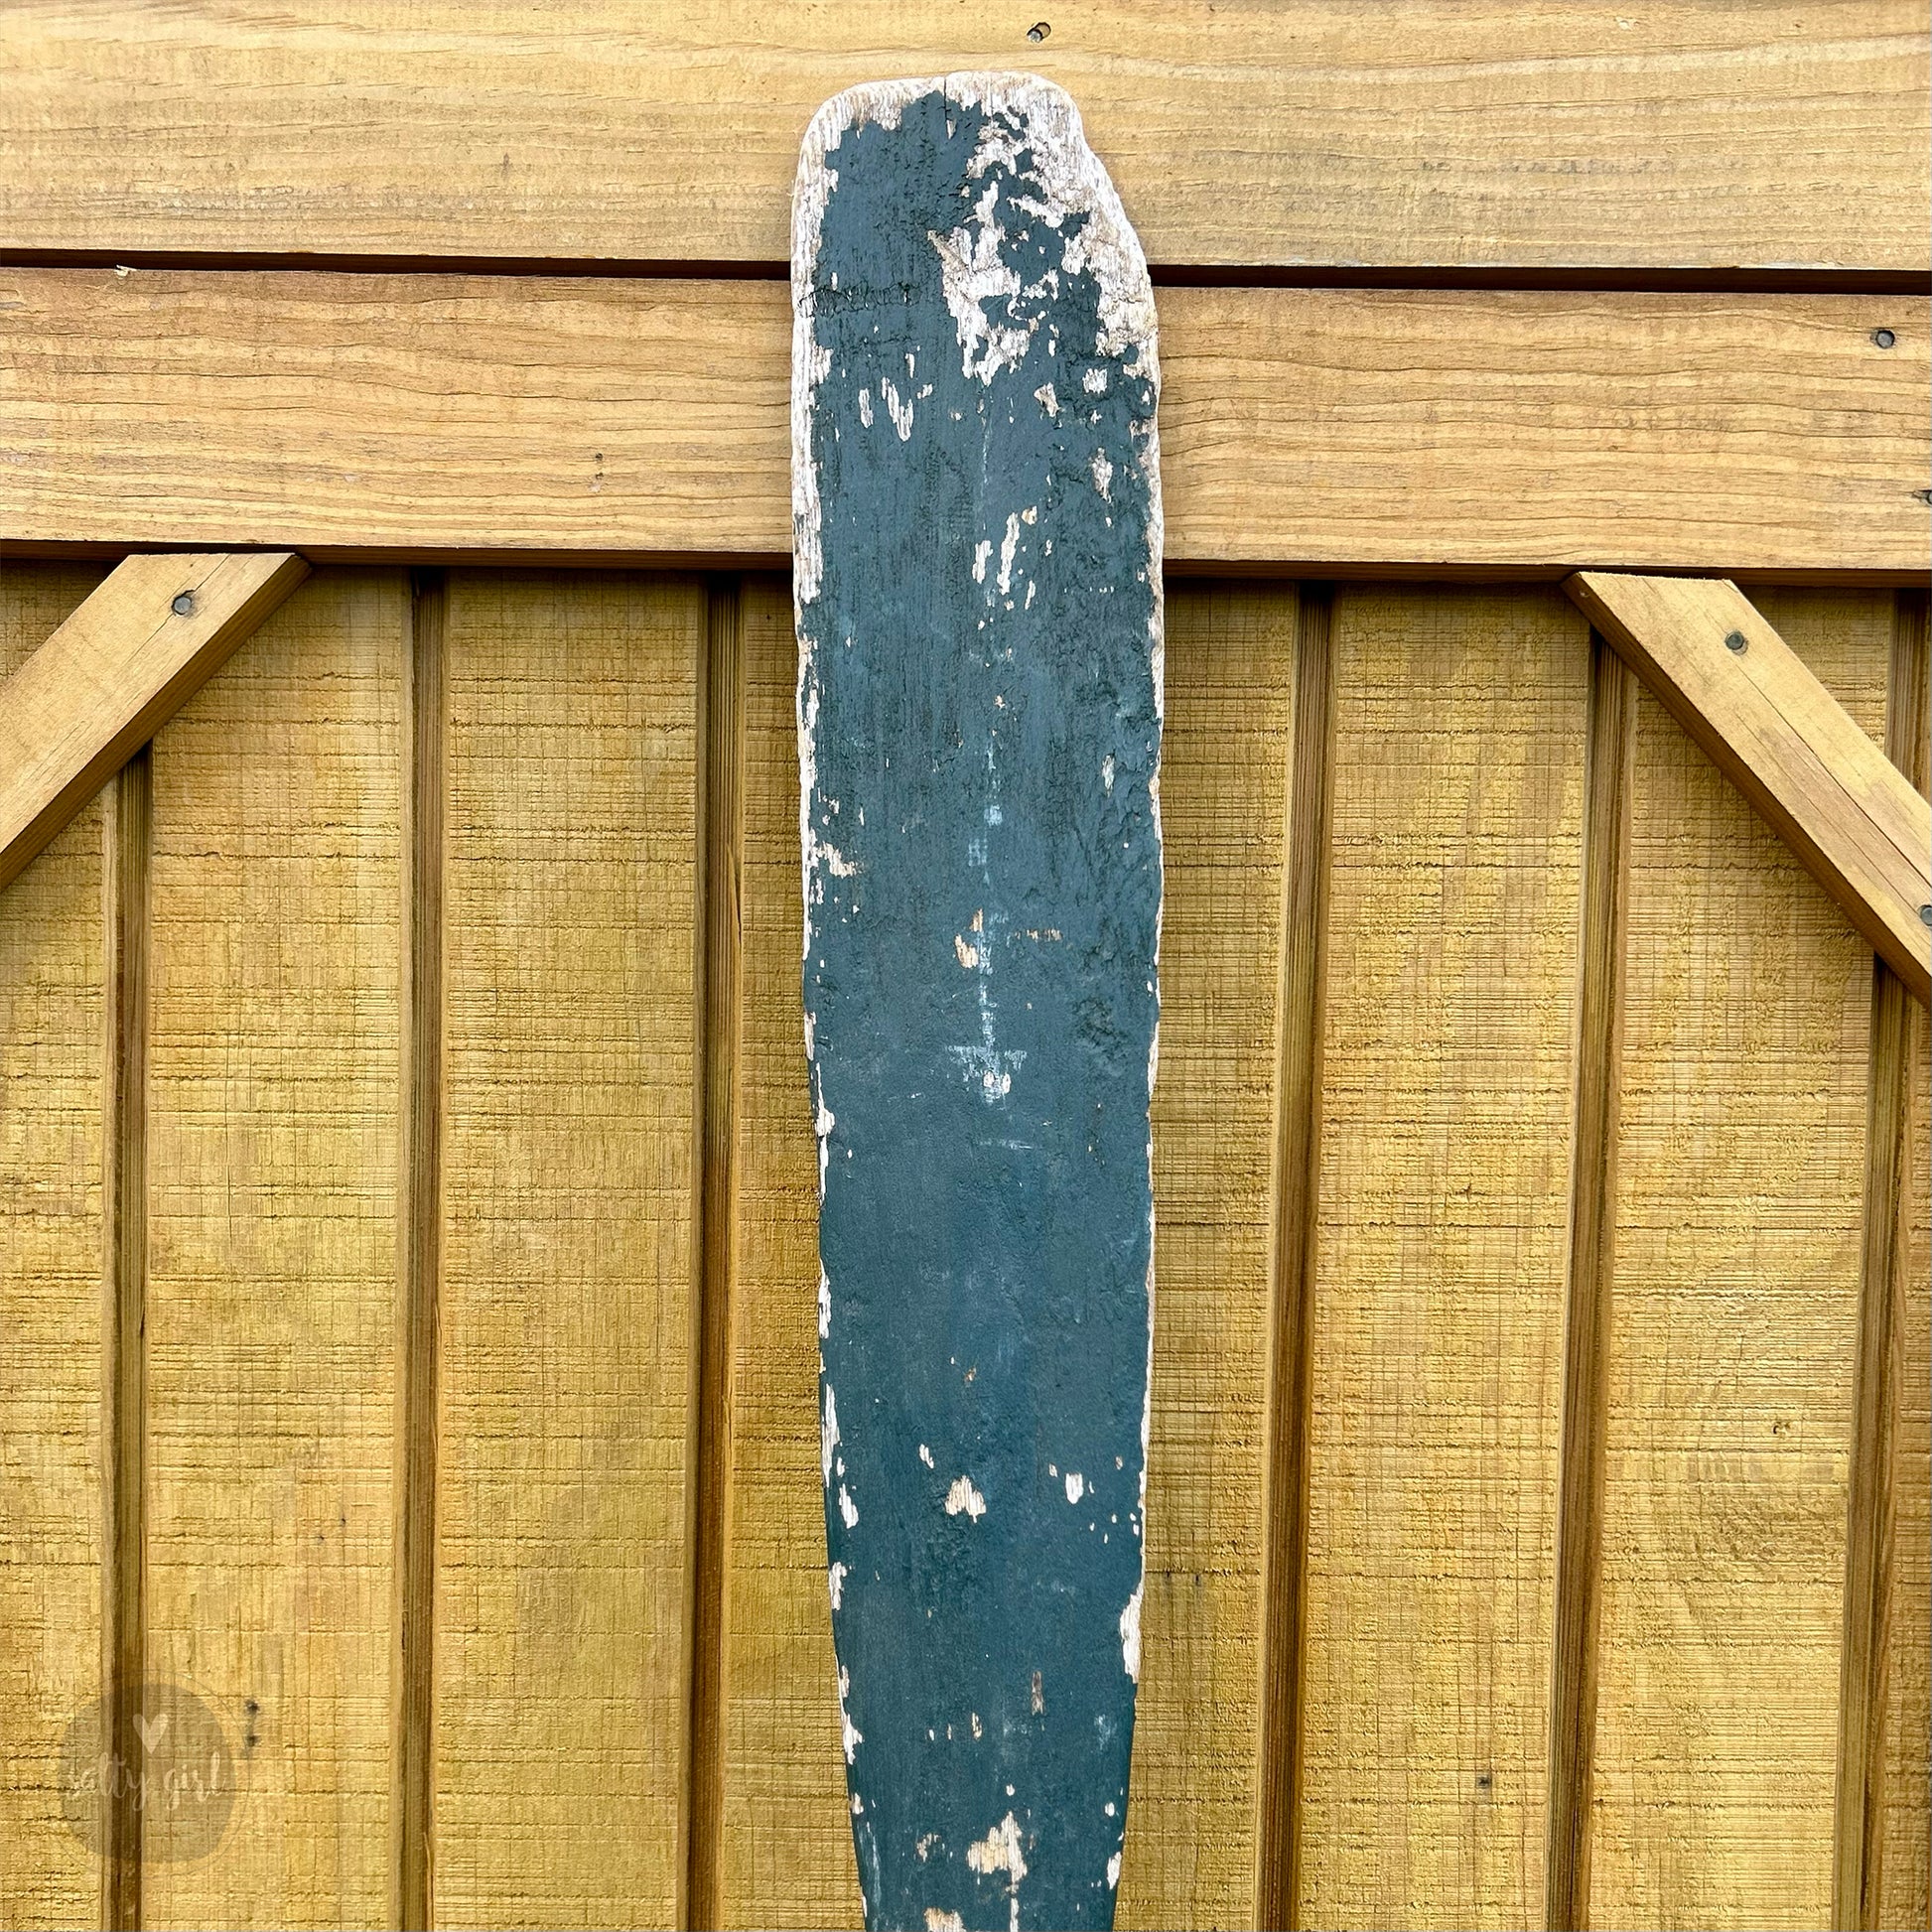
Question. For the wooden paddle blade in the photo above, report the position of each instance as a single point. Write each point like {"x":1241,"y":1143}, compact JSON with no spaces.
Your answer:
{"x":977,"y":505}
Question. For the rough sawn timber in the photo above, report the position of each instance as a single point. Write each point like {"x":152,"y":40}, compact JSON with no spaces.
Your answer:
{"x":976,"y":498}
{"x":1442,"y":134}
{"x":1334,"y":430}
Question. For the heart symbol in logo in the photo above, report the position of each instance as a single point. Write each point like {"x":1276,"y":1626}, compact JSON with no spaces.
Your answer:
{"x":152,"y":1734}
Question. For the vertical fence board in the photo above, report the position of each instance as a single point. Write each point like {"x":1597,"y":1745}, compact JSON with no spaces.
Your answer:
{"x":1189,"y":1855}
{"x":1437,"y":1322}
{"x":271,"y":1252}
{"x":787,"y":1839}
{"x":570,"y":875}
{"x":1734,"y":1317}
{"x":51,"y":1502}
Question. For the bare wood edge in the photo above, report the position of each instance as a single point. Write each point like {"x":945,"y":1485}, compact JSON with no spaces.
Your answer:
{"x":419,"y":1259}
{"x":1857,"y":1839}
{"x":1904,"y":941}
{"x":1298,"y":1157}
{"x":1593,"y":1230}
{"x":126,"y":826}
{"x":718,"y":932}
{"x":44,"y":786}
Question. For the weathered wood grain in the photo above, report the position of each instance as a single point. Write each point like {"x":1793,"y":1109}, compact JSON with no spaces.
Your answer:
{"x":1436,"y":1332}
{"x":144,"y":642}
{"x":271,"y":1249}
{"x":1346,"y":429}
{"x":569,"y":1028}
{"x":52,"y":1503}
{"x":1852,"y":818}
{"x":1741,"y":1157}
{"x":1475,"y":135}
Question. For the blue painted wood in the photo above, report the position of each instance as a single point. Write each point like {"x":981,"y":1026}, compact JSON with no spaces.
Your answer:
{"x":977,"y":576}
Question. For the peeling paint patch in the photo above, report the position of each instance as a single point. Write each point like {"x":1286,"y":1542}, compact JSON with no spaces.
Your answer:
{"x":938,"y":1921}
{"x":998,"y":1851}
{"x":1129,"y":1633}
{"x":1077,"y":1486}
{"x":963,"y":1500}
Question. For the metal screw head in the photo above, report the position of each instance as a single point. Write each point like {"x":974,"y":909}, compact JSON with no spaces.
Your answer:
{"x":1925,"y":914}
{"x":1884,"y":337}
{"x":1734,"y":641}
{"x":1038,"y":31}
{"x":184,"y":604}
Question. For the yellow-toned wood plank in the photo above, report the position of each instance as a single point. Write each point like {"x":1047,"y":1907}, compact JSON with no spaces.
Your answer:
{"x":1437,"y":1332}
{"x":1189,"y":1855}
{"x":1359,"y":429}
{"x":271,"y":1245}
{"x":570,"y":869}
{"x":787,"y":1856}
{"x":51,"y":1500}
{"x":1741,"y":1159}
{"x":120,"y":666}
{"x":1191,"y":1837}
{"x":1851,"y":816}
{"x":1715,"y":137}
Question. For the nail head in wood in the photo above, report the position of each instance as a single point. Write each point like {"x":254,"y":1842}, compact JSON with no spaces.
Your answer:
{"x":1884,"y":337}
{"x":1734,"y":641}
{"x":184,"y":604}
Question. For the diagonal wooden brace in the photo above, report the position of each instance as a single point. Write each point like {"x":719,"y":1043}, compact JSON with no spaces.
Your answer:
{"x":147,"y":639}
{"x":1849,"y":814}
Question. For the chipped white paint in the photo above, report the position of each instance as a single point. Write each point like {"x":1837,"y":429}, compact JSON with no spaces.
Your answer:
{"x":1103,"y":475}
{"x":1047,"y":398}
{"x":938,"y":1921}
{"x":1070,"y":180}
{"x":998,"y":1851}
{"x":1008,"y":545}
{"x":1077,"y":1486}
{"x":963,"y":1498}
{"x":848,"y":1509}
{"x":828,"y":1434}
{"x":836,"y":1576}
{"x":1129,"y":1631}
{"x":853,"y":1735}
{"x":925,"y":1456}
{"x":1113,"y":1869}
